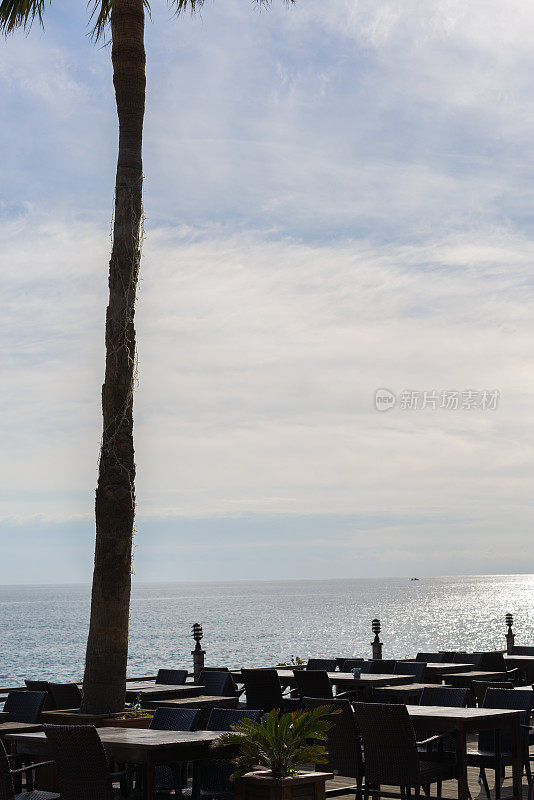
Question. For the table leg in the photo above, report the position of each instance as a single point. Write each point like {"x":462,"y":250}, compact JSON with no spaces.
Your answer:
{"x":150,"y":782}
{"x":517,"y":760}
{"x":461,"y":764}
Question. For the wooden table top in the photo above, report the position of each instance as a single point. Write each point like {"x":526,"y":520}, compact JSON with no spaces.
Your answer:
{"x":346,"y":678}
{"x":446,"y":667}
{"x":138,"y":744}
{"x":477,"y":675}
{"x":519,"y":658}
{"x":469,"y":719}
{"x":18,"y":727}
{"x":163,"y":690}
{"x":193,"y":702}
{"x":409,"y":687}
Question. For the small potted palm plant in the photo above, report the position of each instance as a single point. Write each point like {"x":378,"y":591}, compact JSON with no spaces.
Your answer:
{"x":279,"y":745}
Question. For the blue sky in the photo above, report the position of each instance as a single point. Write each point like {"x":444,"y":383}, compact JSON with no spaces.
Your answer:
{"x":336,"y":201}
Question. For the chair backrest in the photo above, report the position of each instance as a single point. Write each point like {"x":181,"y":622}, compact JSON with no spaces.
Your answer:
{"x":344,"y":752}
{"x":415,"y":668}
{"x":521,"y":650}
{"x":492,"y":661}
{"x":313,"y":683}
{"x":24,"y":706}
{"x":379,"y":665}
{"x":82,"y":766}
{"x":328,"y":664}
{"x":213,"y":775}
{"x":351,"y":663}
{"x":473,"y":659}
{"x":175,"y":719}
{"x":65,"y":695}
{"x":516,"y":699}
{"x":430,"y":658}
{"x":172,"y":677}
{"x":389,"y":744}
{"x":42,"y":686}
{"x":478,"y":689}
{"x":262,"y":688}
{"x":444,"y":696}
{"x":7,"y":791}
{"x":217,"y":684}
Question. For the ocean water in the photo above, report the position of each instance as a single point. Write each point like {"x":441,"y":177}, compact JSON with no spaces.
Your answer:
{"x":43,"y":629}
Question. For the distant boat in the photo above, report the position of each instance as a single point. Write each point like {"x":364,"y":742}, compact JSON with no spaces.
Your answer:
{"x":414,"y":579}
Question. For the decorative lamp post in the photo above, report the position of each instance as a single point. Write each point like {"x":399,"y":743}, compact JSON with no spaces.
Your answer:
{"x":376,"y":644}
{"x":198,"y":653}
{"x":510,"y":638}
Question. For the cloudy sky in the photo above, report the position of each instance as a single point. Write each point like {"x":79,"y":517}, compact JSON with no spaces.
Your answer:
{"x":339,"y":198}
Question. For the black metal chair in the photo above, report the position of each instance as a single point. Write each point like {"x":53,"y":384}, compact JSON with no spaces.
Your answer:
{"x":24,"y":706}
{"x":66,"y":695}
{"x":173,"y":777}
{"x":343,"y":745}
{"x":327,"y":664}
{"x":217,"y":684}
{"x":391,"y":753}
{"x":487,"y":755}
{"x":211,"y":777}
{"x":7,"y":789}
{"x":41,"y":686}
{"x":415,"y":668}
{"x":351,"y":663}
{"x":172,"y":677}
{"x":82,"y":766}
{"x":263,"y":689}
{"x":431,"y":658}
{"x":444,"y":696}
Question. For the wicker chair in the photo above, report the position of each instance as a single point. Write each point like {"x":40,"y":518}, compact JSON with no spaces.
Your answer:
{"x":474,"y":659}
{"x":173,"y":777}
{"x":24,"y":706}
{"x":478,"y":689}
{"x":351,"y":663}
{"x":172,"y":677}
{"x":316,"y":683}
{"x":42,"y":686}
{"x":328,"y":664}
{"x":431,"y":658}
{"x":211,"y":777}
{"x":82,"y":765}
{"x":343,"y":745}
{"x":391,"y":751}
{"x":263,"y":689}
{"x":7,"y":790}
{"x":415,"y":668}
{"x":444,"y":696}
{"x":520,"y":650}
{"x":66,"y":695}
{"x":485,"y":756}
{"x":379,"y":665}
{"x":217,"y":684}
{"x":493,"y":661}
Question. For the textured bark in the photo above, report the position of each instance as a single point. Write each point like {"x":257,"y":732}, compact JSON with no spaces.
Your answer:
{"x":107,"y":645}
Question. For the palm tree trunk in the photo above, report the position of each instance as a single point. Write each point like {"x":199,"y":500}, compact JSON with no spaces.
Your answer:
{"x":107,"y":646}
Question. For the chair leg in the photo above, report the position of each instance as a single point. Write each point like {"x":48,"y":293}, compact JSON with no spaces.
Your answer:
{"x":485,"y":782}
{"x":359,"y":789}
{"x":528,"y":770}
{"x":498,"y":779}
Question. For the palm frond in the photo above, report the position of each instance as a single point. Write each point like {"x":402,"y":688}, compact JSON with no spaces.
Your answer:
{"x":101,"y":16}
{"x":195,"y":5}
{"x":20,"y":14}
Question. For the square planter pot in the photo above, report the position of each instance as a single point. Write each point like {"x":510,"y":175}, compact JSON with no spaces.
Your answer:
{"x":73,"y":717}
{"x":262,"y":786}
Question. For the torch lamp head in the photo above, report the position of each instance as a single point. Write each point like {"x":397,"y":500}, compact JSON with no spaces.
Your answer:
{"x":375,"y":626}
{"x":509,"y":620}
{"x":197,"y":633}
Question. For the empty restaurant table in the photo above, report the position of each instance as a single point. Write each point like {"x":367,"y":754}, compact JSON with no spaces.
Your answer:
{"x":161,"y":691}
{"x":143,"y":747}
{"x":464,"y":721}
